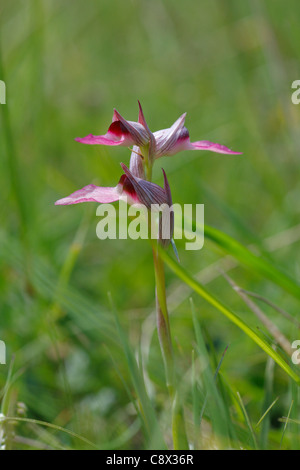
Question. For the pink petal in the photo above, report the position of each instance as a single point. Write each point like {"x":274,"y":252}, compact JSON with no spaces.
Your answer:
{"x":143,"y":122}
{"x":136,"y":130}
{"x":136,"y":163}
{"x":170,"y":222}
{"x":98,"y":140}
{"x":126,"y":191}
{"x":147,"y":193}
{"x":117,"y":134}
{"x":167,"y":189}
{"x":206,"y":145}
{"x":167,"y":139}
{"x":176,"y":139}
{"x":115,"y":116}
{"x":91,"y":193}
{"x":120,"y":132}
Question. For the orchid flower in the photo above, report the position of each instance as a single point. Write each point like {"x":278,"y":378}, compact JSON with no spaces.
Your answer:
{"x":161,"y":143}
{"x":170,"y":141}
{"x":130,"y":189}
{"x":120,"y":132}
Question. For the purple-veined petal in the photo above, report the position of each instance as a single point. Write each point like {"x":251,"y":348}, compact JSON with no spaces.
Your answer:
{"x":166,"y":221}
{"x":136,"y":163}
{"x":115,"y":116}
{"x":120,"y":132}
{"x":117,"y":134}
{"x":207,"y":145}
{"x":152,"y":142}
{"x":167,"y":139}
{"x":91,"y":193}
{"x":126,"y":191}
{"x":183,"y":143}
{"x":147,"y":193}
{"x":98,"y":140}
{"x":136,"y":130}
{"x":150,"y":194}
{"x":167,"y":189}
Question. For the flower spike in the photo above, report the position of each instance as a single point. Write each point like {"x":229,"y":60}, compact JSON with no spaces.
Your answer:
{"x":165,"y":142}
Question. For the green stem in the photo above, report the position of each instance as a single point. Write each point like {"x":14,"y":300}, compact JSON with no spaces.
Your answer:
{"x":148,"y":171}
{"x":163,"y":323}
{"x":180,"y":441}
{"x":162,"y":316}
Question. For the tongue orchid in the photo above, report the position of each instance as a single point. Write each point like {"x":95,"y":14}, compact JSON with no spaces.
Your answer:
{"x":135,"y":186}
{"x":165,"y":142}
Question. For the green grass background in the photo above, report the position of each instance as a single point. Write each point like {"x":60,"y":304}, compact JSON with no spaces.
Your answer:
{"x":229,"y":65}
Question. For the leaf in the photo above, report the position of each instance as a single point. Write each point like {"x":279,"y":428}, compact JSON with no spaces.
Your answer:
{"x":202,"y":292}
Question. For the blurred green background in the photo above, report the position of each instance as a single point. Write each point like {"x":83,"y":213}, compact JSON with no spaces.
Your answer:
{"x":229,"y":65}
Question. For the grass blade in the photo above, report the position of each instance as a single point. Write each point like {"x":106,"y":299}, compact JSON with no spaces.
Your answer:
{"x":247,"y":419}
{"x":202,"y":292}
{"x":287,"y":420}
{"x":268,"y":390}
{"x":266,"y":412}
{"x":256,"y":263}
{"x":217,"y":409}
{"x":146,"y":409}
